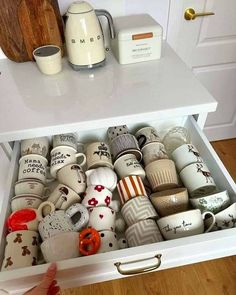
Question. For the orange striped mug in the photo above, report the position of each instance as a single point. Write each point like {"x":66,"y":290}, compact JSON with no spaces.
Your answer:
{"x":130,"y":187}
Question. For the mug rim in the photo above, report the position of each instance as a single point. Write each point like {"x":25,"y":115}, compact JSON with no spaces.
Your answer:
{"x":223,"y":211}
{"x":181,"y":146}
{"x":28,"y":180}
{"x":27,"y":195}
{"x":225,"y":193}
{"x":162,"y":160}
{"x":145,"y":128}
{"x":115,"y":163}
{"x":128,"y":151}
{"x":169,"y":192}
{"x":63,"y":146}
{"x":154,"y":142}
{"x":179,"y":213}
{"x":33,"y":155}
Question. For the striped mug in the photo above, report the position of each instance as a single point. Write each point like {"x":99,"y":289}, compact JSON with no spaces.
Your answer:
{"x":130,"y":187}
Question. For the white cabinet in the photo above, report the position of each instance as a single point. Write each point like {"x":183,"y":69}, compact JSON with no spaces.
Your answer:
{"x":161,"y":93}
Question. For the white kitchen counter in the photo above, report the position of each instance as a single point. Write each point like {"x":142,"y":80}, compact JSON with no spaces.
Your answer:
{"x":33,"y":104}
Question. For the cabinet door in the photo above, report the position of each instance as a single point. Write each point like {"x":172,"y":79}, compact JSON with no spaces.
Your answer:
{"x":208,"y":45}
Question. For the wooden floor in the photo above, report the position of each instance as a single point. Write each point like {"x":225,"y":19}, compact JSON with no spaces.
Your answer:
{"x":216,"y":277}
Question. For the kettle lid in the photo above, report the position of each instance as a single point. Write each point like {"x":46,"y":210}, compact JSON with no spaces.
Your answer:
{"x":79,"y":7}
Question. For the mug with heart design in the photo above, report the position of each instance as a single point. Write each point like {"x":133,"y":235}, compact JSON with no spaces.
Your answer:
{"x":97,"y":195}
{"x":74,"y":218}
{"x":98,"y":155}
{"x":28,"y":218}
{"x":184,"y":224}
{"x":33,"y":166}
{"x":67,"y":139}
{"x":63,"y":197}
{"x":31,"y":186}
{"x":73,"y":176}
{"x":37,"y":146}
{"x":102,"y":218}
{"x":21,"y":250}
{"x":147,"y":135}
{"x":61,"y":247}
{"x":64,"y":155}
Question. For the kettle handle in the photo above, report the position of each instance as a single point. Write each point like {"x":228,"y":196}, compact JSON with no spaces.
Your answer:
{"x":102,"y":12}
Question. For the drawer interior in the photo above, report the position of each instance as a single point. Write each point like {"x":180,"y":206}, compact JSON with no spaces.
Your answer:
{"x":100,"y":267}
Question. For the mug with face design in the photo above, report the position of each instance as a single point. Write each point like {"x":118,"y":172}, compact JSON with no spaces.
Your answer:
{"x":197,"y":179}
{"x":73,"y":176}
{"x":28,"y":218}
{"x":63,"y":197}
{"x":21,"y":250}
{"x":67,"y":139}
{"x":74,"y":219}
{"x":128,"y":165}
{"x":184,"y":224}
{"x":185,"y":155}
{"x":64,"y":155}
{"x":37,"y":146}
{"x":98,"y":155}
{"x":147,"y":135}
{"x":33,"y":166}
{"x":97,"y":195}
{"x":102,"y":218}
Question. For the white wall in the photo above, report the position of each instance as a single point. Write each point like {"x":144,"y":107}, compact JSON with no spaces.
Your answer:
{"x":158,"y":9}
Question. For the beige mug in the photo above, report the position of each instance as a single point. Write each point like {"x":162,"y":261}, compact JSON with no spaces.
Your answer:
{"x":98,"y":155}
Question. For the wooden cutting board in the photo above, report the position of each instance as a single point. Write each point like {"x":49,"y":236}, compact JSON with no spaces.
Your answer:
{"x":28,"y":24}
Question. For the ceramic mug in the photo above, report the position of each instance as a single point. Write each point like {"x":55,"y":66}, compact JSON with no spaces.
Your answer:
{"x":197,"y":179}
{"x":170,"y":201}
{"x":64,"y":155}
{"x":73,"y":176}
{"x":25,"y":201}
{"x":122,"y":243}
{"x":33,"y":166}
{"x":63,"y":197}
{"x":130,"y":187}
{"x":136,"y":209}
{"x":31,"y":186}
{"x":115,"y":131}
{"x":108,"y":241}
{"x":224,"y":219}
{"x":21,"y":250}
{"x":74,"y":218}
{"x":162,"y":175}
{"x":38,"y":146}
{"x":128,"y":165}
{"x":67,"y":139}
{"x":147,"y":135}
{"x":185,"y":155}
{"x":102,"y":176}
{"x":135,"y":233}
{"x":97,"y":195}
{"x":61,"y":247}
{"x":184,"y":224}
{"x":98,"y":155}
{"x":214,"y":203}
{"x":102,"y":218}
{"x":153,"y":151}
{"x":125,"y":144}
{"x":28,"y":218}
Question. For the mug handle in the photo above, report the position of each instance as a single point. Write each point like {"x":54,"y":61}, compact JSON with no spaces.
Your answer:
{"x":40,"y":209}
{"x":213,"y":221}
{"x":72,"y":210}
{"x":84,"y":158}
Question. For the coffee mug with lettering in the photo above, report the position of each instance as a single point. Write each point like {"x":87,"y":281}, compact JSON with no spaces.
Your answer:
{"x":184,"y":224}
{"x":129,"y":165}
{"x":64,"y":155}
{"x":33,"y":166}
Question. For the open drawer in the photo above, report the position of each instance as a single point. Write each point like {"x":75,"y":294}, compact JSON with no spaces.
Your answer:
{"x":101,"y":267}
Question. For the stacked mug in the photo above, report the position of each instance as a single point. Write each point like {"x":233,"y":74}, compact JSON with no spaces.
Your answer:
{"x":23,"y":239}
{"x":137,"y":210}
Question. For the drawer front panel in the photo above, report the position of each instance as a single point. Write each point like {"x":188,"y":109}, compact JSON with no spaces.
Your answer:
{"x":101,"y":267}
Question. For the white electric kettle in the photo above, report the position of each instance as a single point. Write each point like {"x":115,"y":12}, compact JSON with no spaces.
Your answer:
{"x":84,"y":36}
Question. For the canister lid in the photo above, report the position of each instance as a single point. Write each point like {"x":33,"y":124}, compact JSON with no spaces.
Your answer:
{"x":79,"y":7}
{"x":134,"y":27}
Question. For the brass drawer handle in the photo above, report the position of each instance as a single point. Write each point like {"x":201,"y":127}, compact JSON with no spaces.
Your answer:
{"x":140,"y":270}
{"x":190,"y":14}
